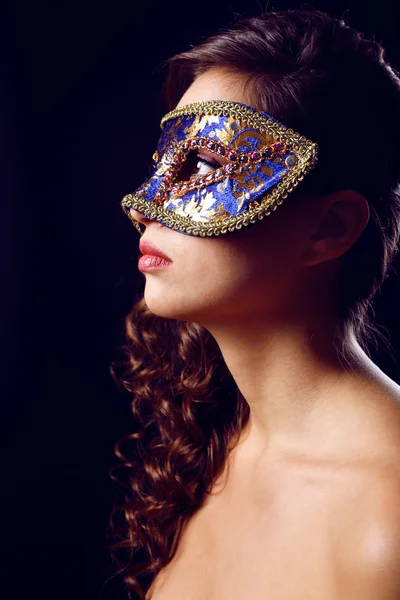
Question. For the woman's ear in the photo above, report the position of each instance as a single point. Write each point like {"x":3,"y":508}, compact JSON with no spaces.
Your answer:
{"x":338,"y":222}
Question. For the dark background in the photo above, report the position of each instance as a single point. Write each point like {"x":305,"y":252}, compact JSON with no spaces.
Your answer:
{"x":79,"y":116}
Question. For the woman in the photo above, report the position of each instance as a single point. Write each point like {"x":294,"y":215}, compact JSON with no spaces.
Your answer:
{"x":266,"y":461}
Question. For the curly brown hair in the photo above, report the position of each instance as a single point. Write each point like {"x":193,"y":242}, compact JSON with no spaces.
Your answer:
{"x":322,"y":78}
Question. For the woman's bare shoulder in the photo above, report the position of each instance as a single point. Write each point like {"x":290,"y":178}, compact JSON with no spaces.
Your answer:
{"x":368,"y":556}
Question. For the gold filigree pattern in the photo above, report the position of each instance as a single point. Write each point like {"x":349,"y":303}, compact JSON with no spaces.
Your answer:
{"x":199,"y":209}
{"x":243,"y":139}
{"x":225,"y":134}
{"x":170,"y":137}
{"x":199,"y":124}
{"x":244,"y":183}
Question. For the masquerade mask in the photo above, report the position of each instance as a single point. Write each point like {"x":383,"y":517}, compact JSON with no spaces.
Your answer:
{"x":251,"y":161}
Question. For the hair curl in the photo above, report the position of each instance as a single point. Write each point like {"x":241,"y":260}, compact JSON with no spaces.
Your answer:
{"x":321,"y":77}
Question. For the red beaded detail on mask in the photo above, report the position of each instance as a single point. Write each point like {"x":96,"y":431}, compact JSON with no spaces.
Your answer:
{"x":238,"y":160}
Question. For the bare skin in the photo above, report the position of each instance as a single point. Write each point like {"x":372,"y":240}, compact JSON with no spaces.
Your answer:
{"x":308,"y":506}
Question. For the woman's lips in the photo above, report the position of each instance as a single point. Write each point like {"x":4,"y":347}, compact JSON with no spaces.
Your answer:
{"x":152,"y":263}
{"x":153,"y":258}
{"x":147,"y":248}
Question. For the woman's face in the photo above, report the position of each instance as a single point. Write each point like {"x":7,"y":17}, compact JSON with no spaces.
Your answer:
{"x":251,"y":274}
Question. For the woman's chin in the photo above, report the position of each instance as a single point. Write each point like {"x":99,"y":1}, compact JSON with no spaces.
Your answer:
{"x":174,"y":308}
{"x":164,"y":307}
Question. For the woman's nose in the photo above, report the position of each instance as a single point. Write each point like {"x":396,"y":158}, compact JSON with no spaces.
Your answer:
{"x":139,"y":218}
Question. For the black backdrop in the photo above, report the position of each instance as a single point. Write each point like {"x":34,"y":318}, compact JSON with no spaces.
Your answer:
{"x":78,"y":89}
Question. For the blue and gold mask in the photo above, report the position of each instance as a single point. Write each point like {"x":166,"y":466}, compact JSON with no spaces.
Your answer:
{"x":257,"y":162}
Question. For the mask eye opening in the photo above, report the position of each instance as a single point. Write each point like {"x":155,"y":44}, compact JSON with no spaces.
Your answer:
{"x":187,"y":166}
